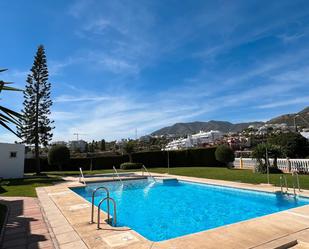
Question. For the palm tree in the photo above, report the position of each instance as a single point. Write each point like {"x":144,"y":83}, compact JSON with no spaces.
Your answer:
{"x":8,"y":116}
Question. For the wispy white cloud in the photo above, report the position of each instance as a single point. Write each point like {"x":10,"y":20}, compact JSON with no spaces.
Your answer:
{"x":83,"y":98}
{"x":6,"y":137}
{"x":64,"y":116}
{"x":97,"y":27}
{"x":300,"y":100}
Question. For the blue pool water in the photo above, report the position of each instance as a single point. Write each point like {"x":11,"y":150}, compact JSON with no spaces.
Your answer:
{"x":160,"y":211}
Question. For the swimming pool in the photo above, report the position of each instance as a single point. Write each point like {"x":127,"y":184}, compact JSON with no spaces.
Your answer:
{"x":164,"y":210}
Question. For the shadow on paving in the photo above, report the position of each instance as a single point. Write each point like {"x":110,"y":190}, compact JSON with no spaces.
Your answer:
{"x":25,"y":227}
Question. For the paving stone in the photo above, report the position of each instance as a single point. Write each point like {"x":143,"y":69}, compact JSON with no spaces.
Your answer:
{"x":62,"y":229}
{"x":74,"y":245}
{"x":14,"y":242}
{"x":25,"y":227}
{"x":67,"y":237}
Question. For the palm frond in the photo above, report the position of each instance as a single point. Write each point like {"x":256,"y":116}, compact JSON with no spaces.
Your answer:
{"x":8,"y":116}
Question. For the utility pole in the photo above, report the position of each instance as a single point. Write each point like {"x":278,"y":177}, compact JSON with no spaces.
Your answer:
{"x":267,"y":166}
{"x":77,"y":134}
{"x":295,"y":127}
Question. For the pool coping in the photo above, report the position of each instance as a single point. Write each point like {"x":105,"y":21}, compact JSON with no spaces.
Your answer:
{"x":60,"y":197}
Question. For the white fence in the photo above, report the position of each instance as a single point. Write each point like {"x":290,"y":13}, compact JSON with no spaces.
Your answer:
{"x":286,"y":165}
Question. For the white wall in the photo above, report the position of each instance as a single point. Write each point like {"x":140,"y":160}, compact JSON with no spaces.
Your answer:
{"x":10,"y":166}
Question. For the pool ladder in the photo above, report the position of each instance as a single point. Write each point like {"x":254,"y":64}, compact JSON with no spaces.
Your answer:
{"x":294,"y":177}
{"x":283,"y":178}
{"x":108,"y":199}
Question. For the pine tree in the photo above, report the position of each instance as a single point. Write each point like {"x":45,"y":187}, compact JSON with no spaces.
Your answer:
{"x":102,"y":145}
{"x":36,"y":126}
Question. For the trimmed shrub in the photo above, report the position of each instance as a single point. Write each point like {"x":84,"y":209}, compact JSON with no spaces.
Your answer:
{"x":225,"y":154}
{"x":58,"y":155}
{"x":259,"y":152}
{"x":128,"y":165}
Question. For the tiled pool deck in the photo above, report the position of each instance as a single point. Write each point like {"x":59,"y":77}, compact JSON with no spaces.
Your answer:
{"x":25,"y":227}
{"x":68,"y":216}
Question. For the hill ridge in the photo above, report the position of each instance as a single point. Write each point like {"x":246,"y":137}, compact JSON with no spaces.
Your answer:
{"x":185,"y":128}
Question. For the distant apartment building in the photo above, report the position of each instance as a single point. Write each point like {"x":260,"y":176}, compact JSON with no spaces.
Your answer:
{"x":305,"y":134}
{"x":267,"y":128}
{"x":78,"y":145}
{"x":196,"y":140}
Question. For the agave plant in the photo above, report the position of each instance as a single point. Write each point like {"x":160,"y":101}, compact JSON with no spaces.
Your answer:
{"x":8,"y":116}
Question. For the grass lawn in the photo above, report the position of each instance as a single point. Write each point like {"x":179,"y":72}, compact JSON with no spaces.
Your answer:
{"x":239,"y":175}
{"x":26,"y":186}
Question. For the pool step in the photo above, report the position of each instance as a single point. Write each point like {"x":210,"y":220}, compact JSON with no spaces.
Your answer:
{"x":166,"y":179}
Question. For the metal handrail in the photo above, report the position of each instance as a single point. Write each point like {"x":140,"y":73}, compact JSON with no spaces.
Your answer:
{"x":115,"y":171}
{"x":115,"y":213}
{"x":148,"y":172}
{"x":283,"y":177}
{"x":81,"y":175}
{"x":92,"y":202}
{"x":281,"y":187}
{"x":293,"y":185}
{"x":297,"y":180}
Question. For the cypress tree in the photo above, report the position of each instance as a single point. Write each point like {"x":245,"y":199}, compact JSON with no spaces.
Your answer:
{"x":36,"y":126}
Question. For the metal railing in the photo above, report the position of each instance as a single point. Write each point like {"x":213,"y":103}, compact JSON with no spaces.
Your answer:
{"x":81,"y":176}
{"x":285,"y":164}
{"x":92,"y":202}
{"x":295,"y":175}
{"x":108,"y":215}
{"x":116,"y":172}
{"x":283,"y":178}
{"x":145,"y":169}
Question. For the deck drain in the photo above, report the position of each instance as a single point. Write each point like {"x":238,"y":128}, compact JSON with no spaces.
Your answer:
{"x":120,"y":239}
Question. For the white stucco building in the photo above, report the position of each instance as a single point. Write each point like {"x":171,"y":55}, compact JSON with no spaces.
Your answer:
{"x":12,"y":158}
{"x":195,"y":140}
{"x":78,"y":145}
{"x":305,"y":134}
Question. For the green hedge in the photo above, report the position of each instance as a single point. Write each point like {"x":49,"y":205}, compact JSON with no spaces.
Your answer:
{"x":75,"y":163}
{"x":152,"y":159}
{"x":129,"y":165}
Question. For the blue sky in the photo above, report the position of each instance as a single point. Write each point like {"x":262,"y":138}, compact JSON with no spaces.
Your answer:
{"x":116,"y":66}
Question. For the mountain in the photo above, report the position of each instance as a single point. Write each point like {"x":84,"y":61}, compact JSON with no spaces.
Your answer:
{"x":301,"y":118}
{"x":181,"y":129}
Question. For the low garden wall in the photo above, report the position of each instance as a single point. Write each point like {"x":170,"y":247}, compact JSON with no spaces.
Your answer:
{"x":182,"y":158}
{"x":286,"y":165}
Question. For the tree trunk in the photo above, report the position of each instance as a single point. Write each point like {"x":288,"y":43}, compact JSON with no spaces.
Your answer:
{"x":91,"y":165}
{"x":130,"y":157}
{"x":36,"y":141}
{"x":37,"y":159}
{"x":275,"y":162}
